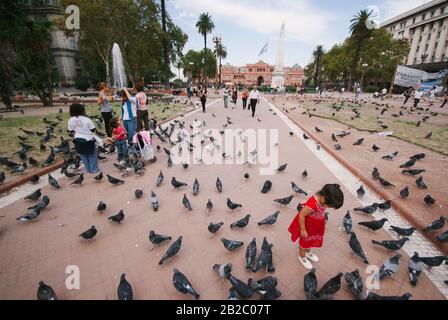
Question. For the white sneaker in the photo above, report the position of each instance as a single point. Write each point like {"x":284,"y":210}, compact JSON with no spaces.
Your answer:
{"x":312,"y":256}
{"x":306,"y":263}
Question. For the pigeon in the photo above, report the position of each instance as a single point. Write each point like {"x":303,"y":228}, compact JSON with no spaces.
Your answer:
{"x":246,"y":175}
{"x":214,"y":227}
{"x":435,"y":261}
{"x":89,"y":234}
{"x":358,"y":142}
{"x":403,"y":232}
{"x":338,"y":146}
{"x":375,"y":148}
{"x":69,"y":174}
{"x":41,"y":205}
{"x":195,"y":187}
{"x":281,"y":168}
{"x":330,"y":287}
{"x":299,"y":207}
{"x":242,"y":289}
{"x":30,"y":215}
{"x":385,"y":205}
{"x":172,"y":250}
{"x":418,"y":156}
{"x":209,"y":205}
{"x":367,"y":209}
{"x":114,"y":181}
{"x":231,"y":244}
{"x":391,"y":244}
{"x":404,"y":193}
{"x":347,"y":223}
{"x":429,"y":200}
{"x":443,"y":237}
{"x":138,"y":193}
{"x":263,"y":285}
{"x":231,"y":205}
{"x":101,"y":206}
{"x":218,"y":185}
{"x":124,"y":290}
{"x":436,"y":224}
{"x":305,"y":137}
{"x":389,"y":267}
{"x":409,"y":163}
{"x":413,"y":172}
{"x":356,"y":247}
{"x":269,"y":220}
{"x":284,"y":201}
{"x":35,"y":179}
{"x":167,"y":152}
{"x":360,"y":192}
{"x":117,"y":217}
{"x":267,"y":185}
{"x":420,"y":184}
{"x":304,"y":174}
{"x":78,"y":180}
{"x":251,"y":253}
{"x":223,"y":270}
{"x":241,"y":223}
{"x":428,"y":136}
{"x":154,"y":201}
{"x":169,"y":162}
{"x":310,"y":285}
{"x":374,"y":296}
{"x":373,"y":225}
{"x":183,"y":285}
{"x":333,"y":137}
{"x":265,"y":258}
{"x":177,"y":184}
{"x":157,"y":239}
{"x":415,"y":266}
{"x":45,"y":292}
{"x":355,"y":283}
{"x":160,"y":179}
{"x":99,"y":177}
{"x":185,"y":165}
{"x":33,"y":161}
{"x":297,"y":189}
{"x":375,"y":174}
{"x":385,"y":183}
{"x":34,"y":196}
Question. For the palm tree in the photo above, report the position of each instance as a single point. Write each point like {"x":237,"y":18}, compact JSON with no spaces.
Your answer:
{"x":359,"y":32}
{"x":317,"y":59}
{"x":165,"y":45}
{"x":221,"y":52}
{"x":205,"y":26}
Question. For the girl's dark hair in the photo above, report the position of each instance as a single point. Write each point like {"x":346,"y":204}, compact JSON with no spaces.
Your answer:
{"x":77,"y":109}
{"x":139,"y":86}
{"x":334,"y":197}
{"x":113,"y":123}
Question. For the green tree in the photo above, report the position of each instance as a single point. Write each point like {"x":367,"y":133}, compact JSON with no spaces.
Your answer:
{"x":220,"y":51}
{"x":205,"y":26}
{"x":318,"y":53}
{"x":196,"y":63}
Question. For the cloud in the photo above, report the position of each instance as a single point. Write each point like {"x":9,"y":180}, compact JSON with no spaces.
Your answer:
{"x":393,"y":8}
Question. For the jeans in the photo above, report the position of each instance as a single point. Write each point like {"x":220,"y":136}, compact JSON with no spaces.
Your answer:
{"x":253,"y":105}
{"x":244,"y":103}
{"x":203,"y":102}
{"x":122,"y":150}
{"x":106,"y":117}
{"x":90,"y":161}
{"x":226,"y":101}
{"x":142,"y":116}
{"x":130,"y":126}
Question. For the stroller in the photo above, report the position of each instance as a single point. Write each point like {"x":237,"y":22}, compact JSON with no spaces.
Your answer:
{"x":142,"y":146}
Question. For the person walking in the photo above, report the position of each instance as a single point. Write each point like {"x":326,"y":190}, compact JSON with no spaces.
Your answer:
{"x":417,"y":97}
{"x":244,"y":97}
{"x":142,"y":110}
{"x":203,"y":96}
{"x":445,"y":98}
{"x":129,"y":113}
{"x":407,"y":94}
{"x":358,"y":92}
{"x":82,"y":129}
{"x":432,"y":96}
{"x":254,"y":98}
{"x":106,"y":109}
{"x":226,"y":96}
{"x":234,"y":96}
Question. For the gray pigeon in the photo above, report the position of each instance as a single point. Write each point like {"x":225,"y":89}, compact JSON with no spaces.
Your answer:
{"x":183,"y":285}
{"x":41,"y":205}
{"x":160,"y":179}
{"x":373,"y":225}
{"x":117,"y":217}
{"x":45,"y":292}
{"x":231,"y":244}
{"x":219,"y":185}
{"x":360,"y":192}
{"x":30,"y":215}
{"x":265,"y":258}
{"x":284,"y":201}
{"x":53,"y":182}
{"x":124,"y":290}
{"x":415,"y":266}
{"x":232,"y":294}
{"x":177,"y":184}
{"x":138,"y":193}
{"x":436,"y":224}
{"x":269,"y":220}
{"x":443,"y":237}
{"x":154,"y":201}
{"x":89,"y":234}
{"x":214,"y":227}
{"x":330,"y":287}
{"x":186,"y":202}
{"x":243,"y":290}
{"x":389,"y":267}
{"x":281,"y":168}
{"x":391,"y":244}
{"x":196,"y":187}
{"x":241,"y":223}
{"x":223,"y":269}
{"x":34,"y":196}
{"x":355,"y":284}
{"x":347,"y":222}
{"x":297,"y":189}
{"x":263,"y":285}
{"x":232,"y":205}
{"x":403,"y":232}
{"x":356,"y":247}
{"x":251,"y":253}
{"x":101,"y":206}
{"x":113,"y":180}
{"x":157,"y":239}
{"x":310,"y":284}
{"x":267,"y":185}
{"x":172,"y":250}
{"x":209,"y":205}
{"x":368,"y":209}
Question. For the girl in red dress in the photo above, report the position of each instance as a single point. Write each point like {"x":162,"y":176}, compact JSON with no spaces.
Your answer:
{"x":309,"y":224}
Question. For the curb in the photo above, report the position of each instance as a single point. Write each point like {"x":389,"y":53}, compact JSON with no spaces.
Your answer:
{"x":402,"y":209}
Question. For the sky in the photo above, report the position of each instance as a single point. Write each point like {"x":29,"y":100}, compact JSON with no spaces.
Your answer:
{"x":246,"y":25}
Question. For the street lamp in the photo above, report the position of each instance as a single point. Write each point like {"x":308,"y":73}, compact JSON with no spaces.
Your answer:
{"x":217,"y":40}
{"x":364,"y":66}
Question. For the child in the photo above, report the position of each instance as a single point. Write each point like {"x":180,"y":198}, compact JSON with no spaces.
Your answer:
{"x":309,"y":224}
{"x":119,"y":136}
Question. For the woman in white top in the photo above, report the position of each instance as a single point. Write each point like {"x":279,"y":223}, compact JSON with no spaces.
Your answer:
{"x":83,"y":130}
{"x":417,"y":96}
{"x":254,"y":98}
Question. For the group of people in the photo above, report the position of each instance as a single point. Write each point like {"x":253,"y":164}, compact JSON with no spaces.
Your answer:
{"x":253,"y":96}
{"x":419,"y":94}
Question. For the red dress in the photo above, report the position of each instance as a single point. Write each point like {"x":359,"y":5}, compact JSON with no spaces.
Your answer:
{"x":314,"y":225}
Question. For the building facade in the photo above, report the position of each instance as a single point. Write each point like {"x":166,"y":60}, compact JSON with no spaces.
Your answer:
{"x":426,"y":28}
{"x":65,"y":49}
{"x":260,"y":73}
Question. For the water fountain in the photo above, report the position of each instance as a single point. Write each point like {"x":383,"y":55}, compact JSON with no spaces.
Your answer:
{"x":119,"y":75}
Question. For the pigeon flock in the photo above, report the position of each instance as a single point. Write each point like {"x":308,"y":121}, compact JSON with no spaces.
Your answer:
{"x":259,"y":256}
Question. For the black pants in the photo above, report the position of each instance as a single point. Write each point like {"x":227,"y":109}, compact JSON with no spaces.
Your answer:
{"x":406,"y":100}
{"x":106,"y":117}
{"x":142,"y":117}
{"x":244,"y":103}
{"x":203,"y":101}
{"x":253,"y":105}
{"x":416,"y":102}
{"x":444,"y":102}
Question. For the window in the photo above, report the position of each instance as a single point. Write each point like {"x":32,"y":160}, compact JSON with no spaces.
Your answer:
{"x":413,"y":20}
{"x":433,"y":12}
{"x":426,"y":47}
{"x":438,"y":34}
{"x":433,"y":58}
{"x":418,"y":48}
{"x":424,"y":16}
